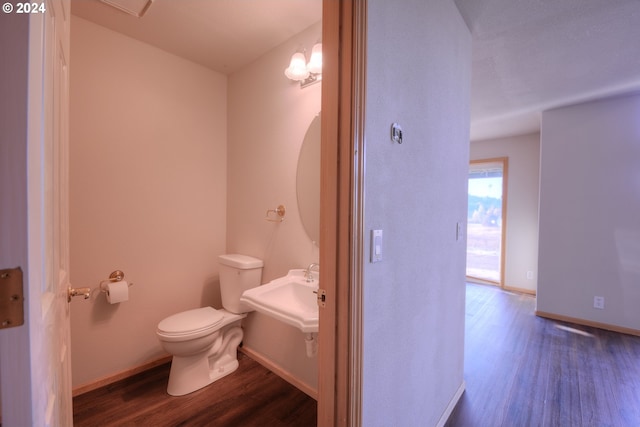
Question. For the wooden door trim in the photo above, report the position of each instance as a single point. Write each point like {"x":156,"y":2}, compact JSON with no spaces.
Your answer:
{"x":356,"y":151}
{"x":341,"y":217}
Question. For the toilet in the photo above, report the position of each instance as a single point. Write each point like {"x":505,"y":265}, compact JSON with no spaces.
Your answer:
{"x":204,"y":341}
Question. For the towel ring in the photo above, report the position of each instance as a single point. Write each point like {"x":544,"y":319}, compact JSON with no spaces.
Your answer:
{"x":275,"y":215}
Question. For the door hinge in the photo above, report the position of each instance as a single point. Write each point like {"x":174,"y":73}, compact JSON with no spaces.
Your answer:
{"x":322,"y":297}
{"x":11,"y":298}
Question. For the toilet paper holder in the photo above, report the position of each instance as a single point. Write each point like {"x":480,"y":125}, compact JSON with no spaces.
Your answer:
{"x":115,"y":276}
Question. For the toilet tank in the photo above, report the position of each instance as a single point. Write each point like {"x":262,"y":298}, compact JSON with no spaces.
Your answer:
{"x":237,"y":274}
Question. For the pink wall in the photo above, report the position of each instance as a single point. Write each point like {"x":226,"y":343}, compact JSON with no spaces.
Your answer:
{"x":148,"y":193}
{"x":268,"y":118}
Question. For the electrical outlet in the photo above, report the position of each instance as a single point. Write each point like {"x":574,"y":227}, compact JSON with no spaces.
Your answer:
{"x":598,"y":302}
{"x":529,"y":275}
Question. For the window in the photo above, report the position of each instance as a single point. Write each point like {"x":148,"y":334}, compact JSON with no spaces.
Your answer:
{"x":486,"y":220}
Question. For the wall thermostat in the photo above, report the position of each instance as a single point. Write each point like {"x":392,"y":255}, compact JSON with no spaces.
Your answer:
{"x":396,"y":133}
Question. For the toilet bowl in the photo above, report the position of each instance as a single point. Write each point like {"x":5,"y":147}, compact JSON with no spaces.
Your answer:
{"x":204,"y":341}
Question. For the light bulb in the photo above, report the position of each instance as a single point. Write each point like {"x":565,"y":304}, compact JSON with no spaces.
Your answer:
{"x":315,"y":62}
{"x":297,"y":69}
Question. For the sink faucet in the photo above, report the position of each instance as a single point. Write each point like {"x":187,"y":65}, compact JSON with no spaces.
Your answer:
{"x":307,"y":272}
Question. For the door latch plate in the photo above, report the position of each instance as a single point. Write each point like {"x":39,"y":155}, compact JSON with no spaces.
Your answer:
{"x":11,"y":298}
{"x":322,"y":298}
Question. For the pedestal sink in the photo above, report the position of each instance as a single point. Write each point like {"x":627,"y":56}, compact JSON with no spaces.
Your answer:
{"x":290,"y":299}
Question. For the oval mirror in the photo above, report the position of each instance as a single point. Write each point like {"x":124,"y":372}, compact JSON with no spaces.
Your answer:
{"x":308,"y":181}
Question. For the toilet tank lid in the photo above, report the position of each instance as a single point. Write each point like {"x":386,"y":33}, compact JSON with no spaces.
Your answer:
{"x":243,"y":262}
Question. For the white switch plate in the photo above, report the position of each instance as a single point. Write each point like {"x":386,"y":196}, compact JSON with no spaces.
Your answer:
{"x":376,"y":245}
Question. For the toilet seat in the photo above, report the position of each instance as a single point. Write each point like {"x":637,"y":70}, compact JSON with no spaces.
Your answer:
{"x":190,"y":324}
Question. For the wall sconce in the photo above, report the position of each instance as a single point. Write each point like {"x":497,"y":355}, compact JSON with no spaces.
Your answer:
{"x":306,"y":73}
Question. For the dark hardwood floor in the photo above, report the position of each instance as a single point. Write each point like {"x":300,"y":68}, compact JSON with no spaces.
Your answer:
{"x":522,"y":370}
{"x":251,"y":396}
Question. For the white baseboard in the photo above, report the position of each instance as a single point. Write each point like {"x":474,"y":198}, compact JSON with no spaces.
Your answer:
{"x":452,"y":405}
{"x":279,"y":371}
{"x":110,"y":379}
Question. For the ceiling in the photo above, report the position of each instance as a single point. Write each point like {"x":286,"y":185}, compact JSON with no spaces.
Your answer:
{"x":534,"y":55}
{"x":224,"y":35}
{"x":528,"y":55}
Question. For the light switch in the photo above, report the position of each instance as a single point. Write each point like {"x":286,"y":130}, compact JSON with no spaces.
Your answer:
{"x":376,"y":245}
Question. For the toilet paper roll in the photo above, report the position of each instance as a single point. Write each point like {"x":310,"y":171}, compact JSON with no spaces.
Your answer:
{"x":117,"y":292}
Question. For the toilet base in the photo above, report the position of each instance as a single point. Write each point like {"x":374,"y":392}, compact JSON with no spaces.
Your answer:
{"x":191,"y":373}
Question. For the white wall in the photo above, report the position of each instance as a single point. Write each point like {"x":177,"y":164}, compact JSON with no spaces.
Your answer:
{"x":590,"y":211}
{"x":147,"y":193}
{"x":268,"y":118}
{"x":521,"y":249}
{"x":418,"y":74}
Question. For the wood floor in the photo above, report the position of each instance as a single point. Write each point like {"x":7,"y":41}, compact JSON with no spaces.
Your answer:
{"x":251,"y":396}
{"x":522,"y":370}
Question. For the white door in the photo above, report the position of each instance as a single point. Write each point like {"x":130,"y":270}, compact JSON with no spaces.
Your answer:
{"x":34,"y":358}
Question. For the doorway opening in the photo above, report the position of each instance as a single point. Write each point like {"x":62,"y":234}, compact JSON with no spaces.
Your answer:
{"x":486,"y":221}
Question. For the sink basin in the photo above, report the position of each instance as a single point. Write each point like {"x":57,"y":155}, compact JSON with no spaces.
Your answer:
{"x":290,"y":299}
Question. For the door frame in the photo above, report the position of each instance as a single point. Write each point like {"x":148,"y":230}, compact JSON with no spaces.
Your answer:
{"x":503,"y":237}
{"x":342,"y":212}
{"x":15,"y":376}
{"x":35,"y":373}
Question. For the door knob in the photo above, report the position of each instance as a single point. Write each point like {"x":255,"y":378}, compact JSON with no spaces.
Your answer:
{"x":72,"y":292}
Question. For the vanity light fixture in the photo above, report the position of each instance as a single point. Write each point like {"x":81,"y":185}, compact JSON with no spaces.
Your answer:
{"x":297,"y":68}
{"x":306,"y":73}
{"x":315,"y":62}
